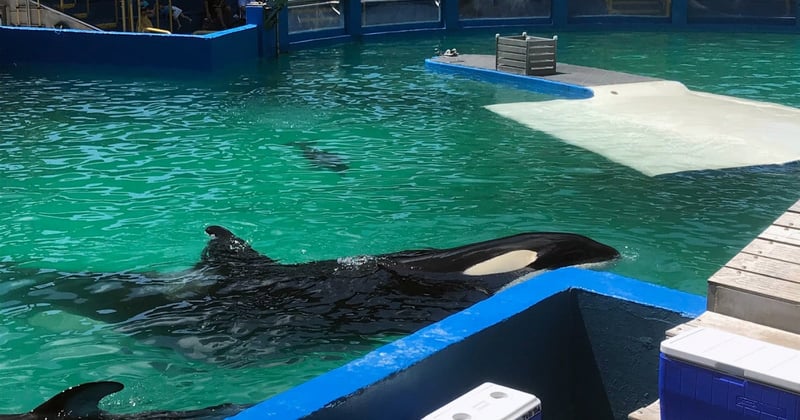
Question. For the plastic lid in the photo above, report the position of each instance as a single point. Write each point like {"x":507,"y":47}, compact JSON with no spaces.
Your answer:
{"x":489,"y":401}
{"x":737,"y":355}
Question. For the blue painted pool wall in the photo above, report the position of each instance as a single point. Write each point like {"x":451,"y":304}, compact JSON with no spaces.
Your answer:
{"x":625,"y":342}
{"x":511,"y":353}
{"x":267,"y":39}
{"x":245,"y":44}
{"x":352,"y":21}
{"x":559,"y":11}
{"x":679,"y":13}
{"x":396,"y":358}
{"x":221,"y":50}
{"x":283,"y":31}
{"x":450,"y":18}
{"x":228,"y":49}
{"x":550,"y":87}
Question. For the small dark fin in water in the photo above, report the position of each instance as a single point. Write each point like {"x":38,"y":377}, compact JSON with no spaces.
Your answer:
{"x":78,"y":402}
{"x":226,"y":248}
{"x":219,"y":232}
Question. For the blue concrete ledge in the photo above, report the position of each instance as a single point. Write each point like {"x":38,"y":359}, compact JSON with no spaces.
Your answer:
{"x":233,"y":48}
{"x":535,"y":84}
{"x":395,"y":357}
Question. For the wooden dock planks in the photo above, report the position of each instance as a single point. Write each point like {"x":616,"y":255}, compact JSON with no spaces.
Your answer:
{"x":756,"y":294}
{"x":765,"y":265}
{"x":741,"y":327}
{"x":651,"y":412}
{"x":762,"y":283}
{"x":772,"y":249}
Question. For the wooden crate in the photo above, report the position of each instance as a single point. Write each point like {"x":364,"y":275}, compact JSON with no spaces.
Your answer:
{"x":526,"y":55}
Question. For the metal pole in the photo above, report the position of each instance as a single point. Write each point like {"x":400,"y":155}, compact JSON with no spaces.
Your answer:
{"x":170,"y":16}
{"x":124,"y":16}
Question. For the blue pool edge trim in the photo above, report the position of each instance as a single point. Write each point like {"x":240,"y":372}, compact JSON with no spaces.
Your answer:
{"x":530,"y":83}
{"x":399,"y":355}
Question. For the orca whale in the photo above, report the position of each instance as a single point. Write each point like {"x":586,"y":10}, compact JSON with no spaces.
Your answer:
{"x":238,"y":307}
{"x":82,"y":403}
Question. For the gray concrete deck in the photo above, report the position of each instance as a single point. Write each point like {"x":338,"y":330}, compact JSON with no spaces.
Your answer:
{"x":565,"y":73}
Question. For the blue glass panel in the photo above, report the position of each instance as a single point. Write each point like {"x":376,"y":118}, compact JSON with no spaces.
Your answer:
{"x":390,"y":12}
{"x":492,"y":9}
{"x":659,"y":8}
{"x":741,"y":9}
{"x":312,"y":15}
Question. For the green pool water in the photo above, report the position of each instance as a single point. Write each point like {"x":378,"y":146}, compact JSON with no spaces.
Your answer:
{"x":110,"y":171}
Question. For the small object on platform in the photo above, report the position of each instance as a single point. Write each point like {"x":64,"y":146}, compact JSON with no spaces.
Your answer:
{"x":490,"y":401}
{"x":450,"y":52}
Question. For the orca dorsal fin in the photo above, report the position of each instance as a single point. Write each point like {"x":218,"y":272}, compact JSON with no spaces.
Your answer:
{"x":77,"y":402}
{"x":225,"y":248}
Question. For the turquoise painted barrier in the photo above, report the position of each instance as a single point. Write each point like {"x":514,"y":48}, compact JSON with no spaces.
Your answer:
{"x":394,"y":358}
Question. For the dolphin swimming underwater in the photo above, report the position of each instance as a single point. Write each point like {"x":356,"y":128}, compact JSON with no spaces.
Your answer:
{"x":238,"y":307}
{"x":82,"y":403}
{"x":321,"y":158}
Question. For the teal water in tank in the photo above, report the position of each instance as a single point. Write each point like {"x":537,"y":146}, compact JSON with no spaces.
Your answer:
{"x":112,"y":171}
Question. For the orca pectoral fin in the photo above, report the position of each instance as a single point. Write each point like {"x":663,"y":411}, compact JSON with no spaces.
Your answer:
{"x":77,"y":402}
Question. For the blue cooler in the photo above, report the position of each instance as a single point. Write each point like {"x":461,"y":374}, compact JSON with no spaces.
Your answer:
{"x":708,"y":374}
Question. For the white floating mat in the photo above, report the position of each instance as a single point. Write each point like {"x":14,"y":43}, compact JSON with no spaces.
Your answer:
{"x":662,"y":127}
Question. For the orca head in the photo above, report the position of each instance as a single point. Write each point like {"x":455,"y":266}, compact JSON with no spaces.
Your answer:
{"x":503,"y":257}
{"x":535,"y":251}
{"x":77,"y":402}
{"x":226,"y":249}
{"x":567,"y":249}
